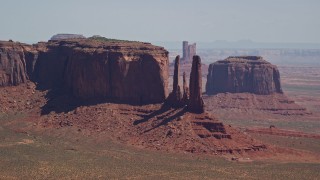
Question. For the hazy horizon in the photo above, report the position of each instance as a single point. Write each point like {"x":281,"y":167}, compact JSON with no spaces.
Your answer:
{"x":242,"y":44}
{"x":285,"y":21}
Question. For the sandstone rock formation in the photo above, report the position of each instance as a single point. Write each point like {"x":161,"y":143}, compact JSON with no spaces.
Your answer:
{"x":131,"y":72}
{"x":175,"y":97}
{"x":192,"y":98}
{"x":195,"y":103}
{"x":185,"y":97}
{"x":188,"y":50}
{"x":121,"y":71}
{"x":243,"y":74}
{"x":12,"y":63}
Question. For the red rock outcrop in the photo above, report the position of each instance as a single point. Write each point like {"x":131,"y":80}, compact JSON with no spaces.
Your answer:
{"x":175,"y":97}
{"x":12,"y":63}
{"x":185,"y":97}
{"x":121,"y":71}
{"x":243,"y":74}
{"x":195,"y":103}
{"x":132,"y":72}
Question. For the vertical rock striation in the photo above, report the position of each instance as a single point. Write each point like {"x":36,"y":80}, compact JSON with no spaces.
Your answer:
{"x":196,"y":104}
{"x":13,"y":66}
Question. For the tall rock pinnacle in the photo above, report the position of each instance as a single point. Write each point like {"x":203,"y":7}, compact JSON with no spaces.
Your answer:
{"x":185,"y":96}
{"x":175,"y":97}
{"x":196,"y":104}
{"x":176,"y":74}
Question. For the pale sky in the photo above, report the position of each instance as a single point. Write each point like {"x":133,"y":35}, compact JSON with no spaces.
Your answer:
{"x":165,"y":20}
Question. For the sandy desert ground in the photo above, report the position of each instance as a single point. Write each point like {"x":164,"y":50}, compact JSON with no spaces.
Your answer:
{"x":45,"y":137}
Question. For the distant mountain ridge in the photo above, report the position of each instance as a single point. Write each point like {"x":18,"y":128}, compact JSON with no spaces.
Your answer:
{"x":247,"y":44}
{"x":66,"y":36}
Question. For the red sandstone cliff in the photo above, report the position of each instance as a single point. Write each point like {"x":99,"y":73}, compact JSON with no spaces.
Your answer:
{"x":243,"y":74}
{"x":131,"y":72}
{"x":122,"y":71}
{"x":13,"y":70}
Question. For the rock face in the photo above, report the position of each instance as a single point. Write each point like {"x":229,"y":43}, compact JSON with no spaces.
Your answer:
{"x":31,"y":57}
{"x":121,"y":71}
{"x":132,"y":72}
{"x":195,"y":103}
{"x":13,"y":68}
{"x":185,"y":97}
{"x":175,"y":97}
{"x":191,"y":97}
{"x":243,"y":74}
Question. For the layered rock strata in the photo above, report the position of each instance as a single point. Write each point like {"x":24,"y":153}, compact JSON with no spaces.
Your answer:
{"x":239,"y":74}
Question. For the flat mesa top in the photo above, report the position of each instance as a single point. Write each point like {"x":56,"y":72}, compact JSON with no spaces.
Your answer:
{"x":13,"y":45}
{"x":243,"y":59}
{"x":10,"y":43}
{"x":248,"y":58}
{"x":92,"y":44}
